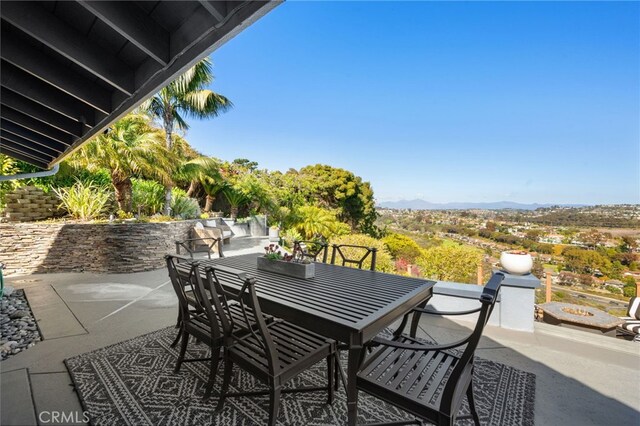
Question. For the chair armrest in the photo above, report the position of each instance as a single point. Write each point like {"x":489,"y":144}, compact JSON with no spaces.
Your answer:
{"x":419,"y":347}
{"x":433,"y":312}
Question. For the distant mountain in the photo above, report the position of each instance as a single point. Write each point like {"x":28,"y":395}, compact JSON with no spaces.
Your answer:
{"x":497,"y":205}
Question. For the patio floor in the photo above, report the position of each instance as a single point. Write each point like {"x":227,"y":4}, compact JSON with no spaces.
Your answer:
{"x":582,"y":378}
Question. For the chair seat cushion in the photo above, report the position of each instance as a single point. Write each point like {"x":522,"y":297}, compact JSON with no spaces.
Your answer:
{"x":407,"y":373}
{"x":632,"y":326}
{"x":295,"y":346}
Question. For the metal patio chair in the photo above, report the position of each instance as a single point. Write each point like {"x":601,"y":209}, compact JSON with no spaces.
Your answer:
{"x":273,"y":353}
{"x":194,"y":318}
{"x":348,"y":254}
{"x":428,"y":380}
{"x":313,"y":249}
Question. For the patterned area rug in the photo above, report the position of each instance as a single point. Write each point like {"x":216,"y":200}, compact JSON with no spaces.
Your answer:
{"x":133,"y":383}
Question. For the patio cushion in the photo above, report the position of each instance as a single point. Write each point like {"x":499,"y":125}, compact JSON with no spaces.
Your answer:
{"x":198,"y":225}
{"x":633,"y":327}
{"x":634,"y":308}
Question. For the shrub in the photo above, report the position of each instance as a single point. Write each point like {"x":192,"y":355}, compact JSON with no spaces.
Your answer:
{"x":185,"y":207}
{"x":402,"y":247}
{"x":612,"y":289}
{"x":148,"y":196}
{"x":384,"y":262}
{"x":449,"y":262}
{"x":289,"y":236}
{"x":84,"y":200}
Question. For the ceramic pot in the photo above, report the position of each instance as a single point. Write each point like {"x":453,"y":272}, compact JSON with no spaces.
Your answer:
{"x":516,"y":263}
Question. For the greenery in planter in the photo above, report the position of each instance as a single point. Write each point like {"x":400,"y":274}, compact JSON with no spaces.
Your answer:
{"x":148,"y":196}
{"x":84,"y":201}
{"x":129,"y":148}
{"x":184,"y":207}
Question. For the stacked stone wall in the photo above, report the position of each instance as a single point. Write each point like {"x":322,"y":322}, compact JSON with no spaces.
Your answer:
{"x":27,"y":248}
{"x":30,"y":203}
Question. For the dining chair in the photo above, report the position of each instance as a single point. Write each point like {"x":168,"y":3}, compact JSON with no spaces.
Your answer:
{"x":428,"y":380}
{"x":313,"y":249}
{"x":273,"y":353}
{"x":348,"y":254}
{"x":198,"y":319}
{"x":192,"y":302}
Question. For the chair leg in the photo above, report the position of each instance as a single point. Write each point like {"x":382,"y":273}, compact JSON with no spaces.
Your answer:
{"x":472,"y":404}
{"x":183,"y":349}
{"x":330,"y":377}
{"x":336,"y":370}
{"x":274,"y":405}
{"x":213,"y":371}
{"x":178,"y":325}
{"x":226,"y":380}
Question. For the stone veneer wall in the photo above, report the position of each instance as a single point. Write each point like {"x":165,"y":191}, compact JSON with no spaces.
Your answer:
{"x":64,"y":247}
{"x":29,"y":203}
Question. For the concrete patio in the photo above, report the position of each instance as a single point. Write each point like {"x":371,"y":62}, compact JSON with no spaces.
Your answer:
{"x":581,"y":379}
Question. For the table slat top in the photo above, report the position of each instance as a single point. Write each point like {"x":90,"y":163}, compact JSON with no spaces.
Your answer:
{"x":348,"y":296}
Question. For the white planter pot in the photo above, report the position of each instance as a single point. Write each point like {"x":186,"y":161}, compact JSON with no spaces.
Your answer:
{"x":516,"y":264}
{"x":274,"y":234}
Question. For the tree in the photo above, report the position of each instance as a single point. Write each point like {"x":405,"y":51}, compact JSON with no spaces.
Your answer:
{"x":340,"y":189}
{"x":187,"y":96}
{"x":129,"y":148}
{"x":450,"y":262}
{"x":402,"y":247}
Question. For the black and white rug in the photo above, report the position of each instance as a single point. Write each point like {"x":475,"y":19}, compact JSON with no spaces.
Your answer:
{"x":133,"y":383}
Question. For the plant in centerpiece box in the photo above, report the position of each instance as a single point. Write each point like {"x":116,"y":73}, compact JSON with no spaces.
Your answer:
{"x":293,"y":264}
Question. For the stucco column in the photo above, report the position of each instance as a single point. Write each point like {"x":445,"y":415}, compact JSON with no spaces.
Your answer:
{"x":517,"y":297}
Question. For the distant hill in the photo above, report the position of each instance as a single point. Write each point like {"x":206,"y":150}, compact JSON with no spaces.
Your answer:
{"x":496,"y":205}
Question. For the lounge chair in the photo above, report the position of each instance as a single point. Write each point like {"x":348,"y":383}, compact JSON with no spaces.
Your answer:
{"x":630,"y":330}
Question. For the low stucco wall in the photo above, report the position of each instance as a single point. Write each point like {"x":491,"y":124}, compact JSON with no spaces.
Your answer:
{"x":27,"y":248}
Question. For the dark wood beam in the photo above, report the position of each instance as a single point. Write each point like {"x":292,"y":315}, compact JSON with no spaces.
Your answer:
{"x":39,"y":112}
{"x":217,"y":9}
{"x":28,"y":58}
{"x":135,"y":25}
{"x":48,"y":152}
{"x":17,"y":80}
{"x":28,"y":135}
{"x":22,"y":120}
{"x":48,"y":29}
{"x":7,"y":148}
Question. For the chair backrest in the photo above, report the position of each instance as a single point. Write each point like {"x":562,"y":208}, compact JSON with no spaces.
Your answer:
{"x":634,"y":308}
{"x":313,"y":249}
{"x":455,"y":389}
{"x":225,"y":281}
{"x":354,"y":255}
{"x":186,"y":277}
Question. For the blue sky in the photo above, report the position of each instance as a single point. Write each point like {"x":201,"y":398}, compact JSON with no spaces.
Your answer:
{"x":526,"y":102}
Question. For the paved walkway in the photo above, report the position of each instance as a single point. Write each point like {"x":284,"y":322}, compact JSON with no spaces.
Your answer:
{"x":581,"y":378}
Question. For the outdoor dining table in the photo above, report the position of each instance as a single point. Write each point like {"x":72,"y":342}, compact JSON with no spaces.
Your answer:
{"x":346,"y":304}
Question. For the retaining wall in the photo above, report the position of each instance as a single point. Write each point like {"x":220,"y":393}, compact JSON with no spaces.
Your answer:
{"x":27,"y":248}
{"x":29,"y":203}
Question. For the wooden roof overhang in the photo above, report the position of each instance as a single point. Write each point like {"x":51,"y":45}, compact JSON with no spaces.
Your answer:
{"x":71,"y":68}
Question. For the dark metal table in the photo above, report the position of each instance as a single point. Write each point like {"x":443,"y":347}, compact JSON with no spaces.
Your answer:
{"x":346,"y":304}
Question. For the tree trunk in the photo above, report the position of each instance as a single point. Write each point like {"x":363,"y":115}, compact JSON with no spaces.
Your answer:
{"x":168,"y":128}
{"x":193,"y":186}
{"x":208,"y":205}
{"x":234,"y":212}
{"x":123,"y":191}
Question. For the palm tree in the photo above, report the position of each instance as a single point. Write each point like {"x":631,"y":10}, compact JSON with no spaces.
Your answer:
{"x":130,"y":147}
{"x":187,"y":96}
